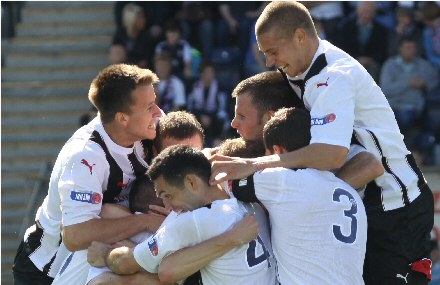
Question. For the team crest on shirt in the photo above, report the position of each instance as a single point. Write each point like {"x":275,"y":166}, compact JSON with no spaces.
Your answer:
{"x":87,"y":197}
{"x":323,"y":120}
{"x":152,"y":244}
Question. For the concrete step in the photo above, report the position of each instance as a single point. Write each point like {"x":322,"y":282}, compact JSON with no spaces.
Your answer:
{"x":18,"y":169}
{"x":42,"y":14}
{"x":67,"y":4}
{"x":58,"y":59}
{"x":63,"y":29}
{"x":61,"y":43}
{"x":10,"y":130}
{"x":30,"y":152}
{"x":52,"y":73}
{"x":47,"y":107}
{"x":37,"y":137}
{"x":48,"y":122}
{"x":45,"y":88}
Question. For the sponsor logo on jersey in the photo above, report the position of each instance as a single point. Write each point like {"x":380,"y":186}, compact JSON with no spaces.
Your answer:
{"x":324,"y":120}
{"x":88,"y":197}
{"x":152,"y":244}
{"x":86,"y":163}
{"x":242,"y":182}
{"x":323,"y":83}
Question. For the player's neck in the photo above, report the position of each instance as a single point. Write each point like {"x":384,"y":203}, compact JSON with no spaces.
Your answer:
{"x":216,"y":193}
{"x":117,"y":135}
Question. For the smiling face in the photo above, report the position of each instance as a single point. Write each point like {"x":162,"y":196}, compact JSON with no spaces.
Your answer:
{"x":179,"y":199}
{"x":140,"y":122}
{"x":247,"y":120}
{"x":285,"y":53}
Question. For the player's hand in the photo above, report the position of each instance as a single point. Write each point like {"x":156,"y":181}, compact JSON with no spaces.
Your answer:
{"x":154,"y":222}
{"x":97,"y":253}
{"x":244,"y":231}
{"x":159,"y":210}
{"x":228,"y":168}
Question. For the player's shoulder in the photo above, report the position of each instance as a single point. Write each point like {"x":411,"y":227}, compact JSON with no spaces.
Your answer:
{"x":83,"y":148}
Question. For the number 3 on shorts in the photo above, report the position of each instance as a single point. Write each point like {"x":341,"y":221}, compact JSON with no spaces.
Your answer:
{"x":351,"y":213}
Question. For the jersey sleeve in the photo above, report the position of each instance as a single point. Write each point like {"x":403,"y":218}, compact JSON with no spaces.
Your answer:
{"x":332,"y":112}
{"x":81,"y":185}
{"x":177,"y":234}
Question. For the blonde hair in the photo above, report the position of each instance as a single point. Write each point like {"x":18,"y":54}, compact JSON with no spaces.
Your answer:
{"x":129,"y":15}
{"x":286,"y":16}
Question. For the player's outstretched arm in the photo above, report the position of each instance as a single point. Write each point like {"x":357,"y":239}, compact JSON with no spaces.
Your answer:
{"x":317,"y":155}
{"x":185,"y":262}
{"x":80,"y":236}
{"x":360,"y":170}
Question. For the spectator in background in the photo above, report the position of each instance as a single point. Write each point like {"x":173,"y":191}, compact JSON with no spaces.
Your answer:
{"x":406,"y":27}
{"x":365,"y":39}
{"x":435,"y":257}
{"x":431,"y":34}
{"x":87,"y":117}
{"x":236,"y":22}
{"x":170,"y":91}
{"x":405,"y":79}
{"x":209,"y":104}
{"x":131,"y":43}
{"x":178,"y":49}
{"x":197,"y":20}
{"x":328,"y":14}
{"x":254,"y":61}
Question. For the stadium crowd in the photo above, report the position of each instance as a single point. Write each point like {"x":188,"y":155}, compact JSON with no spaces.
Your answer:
{"x":311,"y":183}
{"x":397,"y":42}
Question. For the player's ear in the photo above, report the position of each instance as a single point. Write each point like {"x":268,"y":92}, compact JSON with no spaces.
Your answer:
{"x":267,"y":116}
{"x":121,"y":118}
{"x":191,"y":182}
{"x":277,"y":149}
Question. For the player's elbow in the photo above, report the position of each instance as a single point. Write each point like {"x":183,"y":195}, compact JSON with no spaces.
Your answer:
{"x":374,"y":166}
{"x":339,"y":156}
{"x":71,"y":240}
{"x":166,"y":274}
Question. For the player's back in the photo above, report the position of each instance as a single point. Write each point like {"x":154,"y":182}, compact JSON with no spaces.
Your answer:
{"x":246,"y":265}
{"x":319,"y":226}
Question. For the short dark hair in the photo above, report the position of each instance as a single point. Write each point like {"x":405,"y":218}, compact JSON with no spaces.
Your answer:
{"x":268,"y":91}
{"x":289,"y":128}
{"x":176,"y":162}
{"x":163,"y":56}
{"x":179,"y":125}
{"x":406,"y":39}
{"x":241,"y":148}
{"x":286,"y":17}
{"x":142,"y":195}
{"x":206,"y":64}
{"x":110,"y":91}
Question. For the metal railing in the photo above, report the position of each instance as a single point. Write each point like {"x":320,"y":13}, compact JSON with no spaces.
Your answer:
{"x":38,"y":192}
